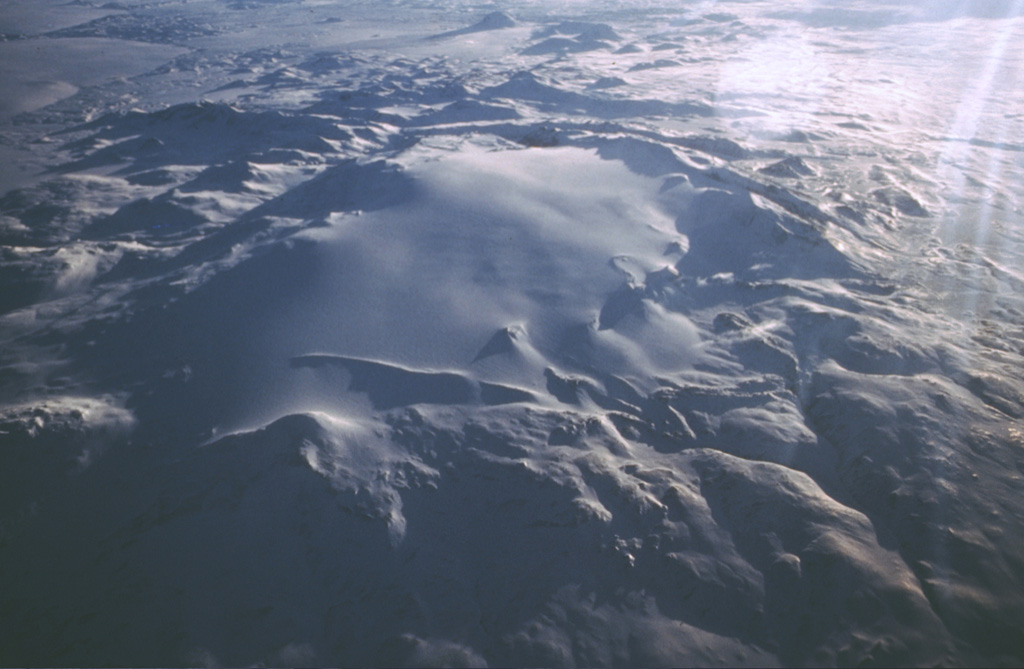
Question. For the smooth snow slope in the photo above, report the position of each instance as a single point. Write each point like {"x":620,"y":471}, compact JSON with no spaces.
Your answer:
{"x":568,"y":333}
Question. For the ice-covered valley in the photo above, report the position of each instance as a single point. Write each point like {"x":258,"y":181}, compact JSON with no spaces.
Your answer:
{"x":570,"y":333}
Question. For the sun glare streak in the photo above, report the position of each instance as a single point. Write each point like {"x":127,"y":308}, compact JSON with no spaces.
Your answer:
{"x":975,"y":102}
{"x":977,"y":141}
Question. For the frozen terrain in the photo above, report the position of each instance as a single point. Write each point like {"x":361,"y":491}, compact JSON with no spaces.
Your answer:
{"x":569,"y":334}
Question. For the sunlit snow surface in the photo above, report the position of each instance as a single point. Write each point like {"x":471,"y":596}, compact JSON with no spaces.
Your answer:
{"x":572,"y":333}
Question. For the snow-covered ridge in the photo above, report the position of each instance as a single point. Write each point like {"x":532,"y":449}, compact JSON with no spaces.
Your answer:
{"x":537,"y":337}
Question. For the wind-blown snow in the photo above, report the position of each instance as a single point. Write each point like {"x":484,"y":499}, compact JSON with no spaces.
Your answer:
{"x":548,"y":334}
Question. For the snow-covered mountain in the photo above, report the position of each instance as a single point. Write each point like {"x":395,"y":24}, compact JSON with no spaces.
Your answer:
{"x":569,"y":333}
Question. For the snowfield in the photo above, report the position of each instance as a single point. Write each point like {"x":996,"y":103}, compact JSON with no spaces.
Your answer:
{"x":563,"y":334}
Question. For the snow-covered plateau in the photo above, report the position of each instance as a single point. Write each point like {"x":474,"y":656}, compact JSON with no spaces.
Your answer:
{"x":567,"y":334}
